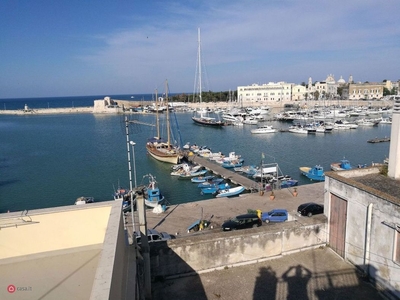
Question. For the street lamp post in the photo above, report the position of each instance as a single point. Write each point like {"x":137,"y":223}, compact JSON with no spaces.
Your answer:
{"x":134,"y":161}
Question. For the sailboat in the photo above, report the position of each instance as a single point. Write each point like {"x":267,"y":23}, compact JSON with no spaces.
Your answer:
{"x":160,"y":149}
{"x":202,"y":118}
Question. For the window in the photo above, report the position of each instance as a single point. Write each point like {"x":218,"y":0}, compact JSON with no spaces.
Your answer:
{"x":396,"y":254}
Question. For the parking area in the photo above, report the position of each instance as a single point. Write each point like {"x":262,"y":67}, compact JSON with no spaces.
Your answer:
{"x":177,"y":218}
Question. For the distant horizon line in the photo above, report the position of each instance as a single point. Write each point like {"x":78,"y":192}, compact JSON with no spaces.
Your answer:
{"x":104,"y":95}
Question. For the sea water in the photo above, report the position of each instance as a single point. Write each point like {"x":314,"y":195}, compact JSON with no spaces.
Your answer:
{"x":50,"y":160}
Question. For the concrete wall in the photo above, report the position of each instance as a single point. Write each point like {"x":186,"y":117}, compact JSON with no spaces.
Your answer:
{"x":48,"y":230}
{"x":222,"y":249}
{"x":110,"y":279}
{"x":370,"y":238}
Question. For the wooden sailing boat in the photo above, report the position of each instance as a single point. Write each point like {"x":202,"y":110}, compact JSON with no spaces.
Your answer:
{"x":157,"y":147}
{"x":202,"y":118}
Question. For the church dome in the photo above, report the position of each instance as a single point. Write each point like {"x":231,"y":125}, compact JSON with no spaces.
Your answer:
{"x":341,"y":80}
{"x":330,"y":79}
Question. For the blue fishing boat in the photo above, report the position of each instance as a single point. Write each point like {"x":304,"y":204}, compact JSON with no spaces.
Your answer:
{"x":315,"y":173}
{"x":213,"y":189}
{"x":200,"y":179}
{"x":289,"y":183}
{"x":343,"y":165}
{"x":232,"y":164}
{"x":230,"y":192}
{"x":152,"y":194}
{"x":210,"y":182}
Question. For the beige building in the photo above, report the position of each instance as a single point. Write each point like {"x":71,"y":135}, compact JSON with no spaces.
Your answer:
{"x":366,"y":91}
{"x":298,"y":92}
{"x":279,"y":91}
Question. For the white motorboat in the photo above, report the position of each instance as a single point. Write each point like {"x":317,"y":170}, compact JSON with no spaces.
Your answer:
{"x":298,"y":129}
{"x":263,"y":129}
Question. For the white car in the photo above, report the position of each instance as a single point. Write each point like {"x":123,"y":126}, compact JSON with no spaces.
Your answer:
{"x":153,"y":236}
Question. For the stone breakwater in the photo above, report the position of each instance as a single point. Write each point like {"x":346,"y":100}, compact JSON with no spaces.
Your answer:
{"x":276,"y":106}
{"x":47,"y":111}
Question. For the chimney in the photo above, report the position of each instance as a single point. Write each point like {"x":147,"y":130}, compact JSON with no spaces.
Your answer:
{"x":394,"y":151}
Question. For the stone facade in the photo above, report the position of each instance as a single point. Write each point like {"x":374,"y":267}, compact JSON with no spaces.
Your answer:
{"x":367,"y":91}
{"x":369,"y":223}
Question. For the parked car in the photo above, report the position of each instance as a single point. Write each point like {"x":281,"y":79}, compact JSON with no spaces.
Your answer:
{"x":309,"y":209}
{"x":153,"y":236}
{"x":241,"y":222}
{"x":275,"y":215}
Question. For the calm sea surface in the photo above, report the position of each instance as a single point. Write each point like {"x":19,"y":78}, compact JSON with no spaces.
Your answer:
{"x":50,"y":160}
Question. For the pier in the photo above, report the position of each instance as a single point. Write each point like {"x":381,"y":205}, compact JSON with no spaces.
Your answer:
{"x":234,"y":177}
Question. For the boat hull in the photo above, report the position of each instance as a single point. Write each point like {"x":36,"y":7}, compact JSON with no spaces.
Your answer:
{"x":315,"y":174}
{"x":206,"y":122}
{"x":164,"y":157}
{"x":231,"y":192}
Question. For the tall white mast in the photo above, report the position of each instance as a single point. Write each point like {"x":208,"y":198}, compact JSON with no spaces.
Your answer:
{"x":199,"y":59}
{"x":197,"y":79}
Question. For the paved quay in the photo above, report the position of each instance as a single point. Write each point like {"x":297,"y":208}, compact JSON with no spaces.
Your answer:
{"x":309,"y":274}
{"x":306,"y":275}
{"x":176,"y":219}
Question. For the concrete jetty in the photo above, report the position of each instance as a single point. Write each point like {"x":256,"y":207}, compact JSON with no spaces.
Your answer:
{"x":234,"y":177}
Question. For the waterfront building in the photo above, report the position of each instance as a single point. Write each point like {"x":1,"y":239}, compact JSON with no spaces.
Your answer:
{"x":272,"y":91}
{"x":366,"y":91}
{"x":298,"y":92}
{"x":322,"y":89}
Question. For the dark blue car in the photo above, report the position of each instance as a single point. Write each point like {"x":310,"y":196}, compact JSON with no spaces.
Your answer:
{"x":275,"y":215}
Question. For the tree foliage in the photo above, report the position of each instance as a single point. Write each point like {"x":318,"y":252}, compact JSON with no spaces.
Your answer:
{"x":205,"y":97}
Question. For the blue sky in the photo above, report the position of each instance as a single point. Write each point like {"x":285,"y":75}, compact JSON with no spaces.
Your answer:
{"x":75,"y":47}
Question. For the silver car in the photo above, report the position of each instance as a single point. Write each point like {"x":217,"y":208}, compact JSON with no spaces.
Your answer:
{"x":153,"y":236}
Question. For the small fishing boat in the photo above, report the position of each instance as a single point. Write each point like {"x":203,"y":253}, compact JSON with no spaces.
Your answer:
{"x":230,"y":192}
{"x":184,"y":168}
{"x":289,"y":183}
{"x":152,"y":194}
{"x":210,"y":182}
{"x":192,"y":174}
{"x":344,"y":164}
{"x":231,"y":164}
{"x":247,"y":170}
{"x":315,"y":173}
{"x":201,"y":179}
{"x":213,"y":189}
{"x":121,"y":194}
{"x":84,"y":200}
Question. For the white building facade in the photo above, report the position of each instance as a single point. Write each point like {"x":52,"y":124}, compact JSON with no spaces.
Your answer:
{"x":322,"y":89}
{"x":279,"y":91}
